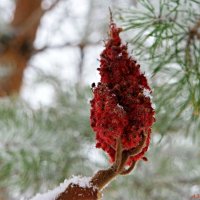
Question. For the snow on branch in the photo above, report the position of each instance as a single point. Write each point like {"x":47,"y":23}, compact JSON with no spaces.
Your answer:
{"x":83,"y":182}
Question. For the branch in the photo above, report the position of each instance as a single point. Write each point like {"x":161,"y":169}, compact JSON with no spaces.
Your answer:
{"x":52,"y":6}
{"x":193,"y":32}
{"x":93,"y":189}
{"x":139,"y":148}
{"x":33,"y":19}
{"x":58,"y":46}
{"x":103,"y":177}
{"x":76,"y":192}
{"x":118,"y":154}
{"x":127,"y":171}
{"x":64,"y":45}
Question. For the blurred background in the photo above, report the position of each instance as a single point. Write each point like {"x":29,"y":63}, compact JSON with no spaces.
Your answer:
{"x":49,"y":51}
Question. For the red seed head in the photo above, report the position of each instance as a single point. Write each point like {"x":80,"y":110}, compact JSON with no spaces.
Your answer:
{"x":121,"y":107}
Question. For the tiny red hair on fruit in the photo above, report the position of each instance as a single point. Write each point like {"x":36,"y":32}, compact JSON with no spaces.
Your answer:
{"x":121,"y":108}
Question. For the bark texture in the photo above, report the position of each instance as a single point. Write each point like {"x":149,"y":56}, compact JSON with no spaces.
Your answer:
{"x":75,"y":192}
{"x":103,"y":177}
{"x":16,"y":49}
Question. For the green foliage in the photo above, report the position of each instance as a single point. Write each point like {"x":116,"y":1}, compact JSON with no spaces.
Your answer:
{"x":167,"y":175}
{"x":40,"y":148}
{"x":165,"y":37}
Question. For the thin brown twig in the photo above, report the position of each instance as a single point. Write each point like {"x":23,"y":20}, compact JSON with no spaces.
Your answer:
{"x":52,"y":6}
{"x":58,"y":46}
{"x":64,"y":45}
{"x":125,"y":157}
{"x":111,"y":15}
{"x":103,"y":177}
{"x":193,"y":33}
{"x":118,"y":154}
{"x":127,"y":171}
{"x":139,"y":148}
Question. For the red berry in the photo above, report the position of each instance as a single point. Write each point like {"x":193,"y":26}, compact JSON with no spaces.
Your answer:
{"x":121,"y":107}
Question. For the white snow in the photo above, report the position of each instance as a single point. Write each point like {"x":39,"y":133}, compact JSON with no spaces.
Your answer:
{"x":83,"y":182}
{"x":88,"y":101}
{"x":147,"y":93}
{"x":120,"y":106}
{"x":153,"y":105}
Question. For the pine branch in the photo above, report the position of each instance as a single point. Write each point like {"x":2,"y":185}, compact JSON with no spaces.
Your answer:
{"x":166,"y":38}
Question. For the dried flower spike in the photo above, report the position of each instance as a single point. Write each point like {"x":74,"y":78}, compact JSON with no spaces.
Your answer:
{"x":121,"y":107}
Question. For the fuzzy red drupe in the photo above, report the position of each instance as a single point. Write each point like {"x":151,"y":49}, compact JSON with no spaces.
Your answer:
{"x":121,"y":107}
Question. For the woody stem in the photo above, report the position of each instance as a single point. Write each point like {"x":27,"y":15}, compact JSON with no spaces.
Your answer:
{"x":103,"y":177}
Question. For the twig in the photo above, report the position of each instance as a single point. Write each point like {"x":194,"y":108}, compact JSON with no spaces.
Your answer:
{"x":127,"y":171}
{"x":118,"y":155}
{"x":193,"y":32}
{"x":52,"y":6}
{"x":64,"y":45}
{"x":103,"y":177}
{"x":58,"y":46}
{"x":141,"y":145}
{"x":111,"y":15}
